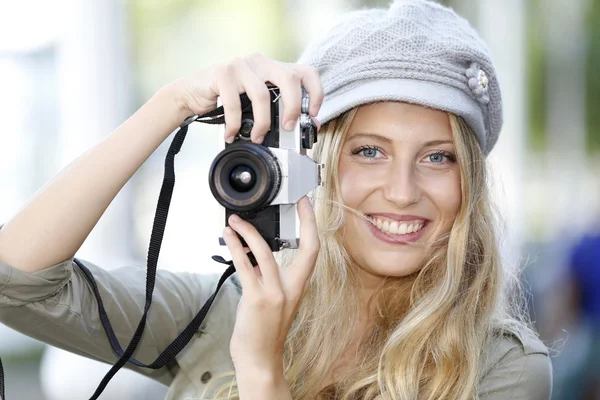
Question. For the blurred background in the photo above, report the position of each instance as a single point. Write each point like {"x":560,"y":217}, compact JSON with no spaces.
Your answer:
{"x":72,"y":70}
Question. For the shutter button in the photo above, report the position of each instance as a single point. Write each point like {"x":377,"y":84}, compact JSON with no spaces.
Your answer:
{"x":206,"y":377}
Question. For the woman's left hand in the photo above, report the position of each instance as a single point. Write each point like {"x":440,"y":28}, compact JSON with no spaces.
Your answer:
{"x":271,"y":295}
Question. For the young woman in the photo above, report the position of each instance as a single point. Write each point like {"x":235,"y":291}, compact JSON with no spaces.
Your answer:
{"x":397,"y":290}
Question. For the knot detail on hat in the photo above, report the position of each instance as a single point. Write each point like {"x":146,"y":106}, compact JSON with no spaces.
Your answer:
{"x":478,"y":82}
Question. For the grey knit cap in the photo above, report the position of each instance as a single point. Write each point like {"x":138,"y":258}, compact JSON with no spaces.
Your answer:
{"x":418,"y":52}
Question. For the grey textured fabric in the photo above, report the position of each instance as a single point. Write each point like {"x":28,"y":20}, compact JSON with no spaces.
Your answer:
{"x":417,"y":51}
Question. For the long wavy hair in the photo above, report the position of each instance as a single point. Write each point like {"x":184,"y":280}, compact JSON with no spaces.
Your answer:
{"x":431,"y":330}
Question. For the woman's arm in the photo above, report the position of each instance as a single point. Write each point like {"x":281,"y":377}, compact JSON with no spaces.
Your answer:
{"x":53,"y":225}
{"x":56,"y":306}
{"x":40,"y":293}
{"x":269,"y":304}
{"x":262,"y":386}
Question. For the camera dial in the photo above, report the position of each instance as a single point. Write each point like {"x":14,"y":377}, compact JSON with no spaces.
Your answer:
{"x":246,"y":129}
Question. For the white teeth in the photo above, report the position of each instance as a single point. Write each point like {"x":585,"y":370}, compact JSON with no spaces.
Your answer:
{"x":397,"y":228}
{"x":402,"y":229}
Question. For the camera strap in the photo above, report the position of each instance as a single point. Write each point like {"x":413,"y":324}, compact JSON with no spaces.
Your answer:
{"x":160,"y":218}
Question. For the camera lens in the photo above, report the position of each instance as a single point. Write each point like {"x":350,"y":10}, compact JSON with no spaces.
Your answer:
{"x":246,"y":128}
{"x":242,"y":178}
{"x":245,"y":177}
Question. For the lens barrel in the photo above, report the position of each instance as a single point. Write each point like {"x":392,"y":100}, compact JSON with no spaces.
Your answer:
{"x":245,"y":177}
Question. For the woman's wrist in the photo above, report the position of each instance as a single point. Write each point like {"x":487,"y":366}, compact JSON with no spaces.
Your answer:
{"x":192,"y":95}
{"x":264,"y":385}
{"x":173,"y":99}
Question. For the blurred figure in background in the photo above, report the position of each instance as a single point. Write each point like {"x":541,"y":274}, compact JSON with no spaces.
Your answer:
{"x":572,"y":321}
{"x":583,"y":302}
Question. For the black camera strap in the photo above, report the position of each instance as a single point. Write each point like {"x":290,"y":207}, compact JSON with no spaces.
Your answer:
{"x":160,"y":218}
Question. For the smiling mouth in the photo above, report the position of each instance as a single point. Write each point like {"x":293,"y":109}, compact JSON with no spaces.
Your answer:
{"x":396,"y":228}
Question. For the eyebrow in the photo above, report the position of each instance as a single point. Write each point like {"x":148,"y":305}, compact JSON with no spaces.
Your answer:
{"x":387,"y":140}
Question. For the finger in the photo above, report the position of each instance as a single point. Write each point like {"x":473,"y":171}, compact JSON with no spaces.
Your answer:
{"x":259,"y":95}
{"x":230,"y":98}
{"x":289,"y":82}
{"x":312,"y":84}
{"x":310,"y":245}
{"x":317,"y":123}
{"x":243,"y":266}
{"x":290,"y":88}
{"x":261,"y":250}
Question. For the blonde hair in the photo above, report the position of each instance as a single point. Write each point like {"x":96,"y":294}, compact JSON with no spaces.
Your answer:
{"x":432,"y":329}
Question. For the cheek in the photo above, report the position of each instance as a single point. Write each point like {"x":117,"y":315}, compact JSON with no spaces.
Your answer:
{"x":445,"y":193}
{"x":354,"y":183}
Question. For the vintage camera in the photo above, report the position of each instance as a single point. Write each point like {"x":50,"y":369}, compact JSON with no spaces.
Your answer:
{"x":263,"y":182}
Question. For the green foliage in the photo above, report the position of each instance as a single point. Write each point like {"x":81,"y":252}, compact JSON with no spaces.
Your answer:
{"x":173,"y":38}
{"x":537,"y":74}
{"x":593,"y":77}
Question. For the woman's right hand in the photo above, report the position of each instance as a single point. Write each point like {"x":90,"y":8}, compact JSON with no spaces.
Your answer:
{"x":249,"y":75}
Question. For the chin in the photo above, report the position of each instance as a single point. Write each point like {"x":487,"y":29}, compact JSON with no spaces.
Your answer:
{"x":382,"y":260}
{"x":396,"y":267}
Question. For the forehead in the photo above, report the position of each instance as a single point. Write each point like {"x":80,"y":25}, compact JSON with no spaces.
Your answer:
{"x":402,"y":122}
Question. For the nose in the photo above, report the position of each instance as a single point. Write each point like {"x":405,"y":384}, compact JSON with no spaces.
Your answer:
{"x":402,"y":187}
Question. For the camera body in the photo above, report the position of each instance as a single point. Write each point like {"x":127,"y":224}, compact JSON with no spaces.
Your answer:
{"x":263,"y":182}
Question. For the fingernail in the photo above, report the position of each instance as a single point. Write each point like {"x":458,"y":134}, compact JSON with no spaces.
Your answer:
{"x":260,"y":139}
{"x":234,"y":219}
{"x":314,"y":110}
{"x":289,"y":125}
{"x":318,"y":123}
{"x":302,"y":202}
{"x":229,"y":140}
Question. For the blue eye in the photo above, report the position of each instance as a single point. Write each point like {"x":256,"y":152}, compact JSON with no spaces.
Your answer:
{"x":370,"y":153}
{"x":440,"y":157}
{"x":436,"y":158}
{"x":367,"y":151}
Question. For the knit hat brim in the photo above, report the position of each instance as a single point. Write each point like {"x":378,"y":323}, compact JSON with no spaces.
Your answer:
{"x":429,"y":94}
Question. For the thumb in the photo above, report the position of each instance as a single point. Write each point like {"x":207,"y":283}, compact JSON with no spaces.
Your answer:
{"x":307,"y":253}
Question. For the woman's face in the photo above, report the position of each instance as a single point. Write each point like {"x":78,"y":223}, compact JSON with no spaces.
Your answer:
{"x":398,"y":167}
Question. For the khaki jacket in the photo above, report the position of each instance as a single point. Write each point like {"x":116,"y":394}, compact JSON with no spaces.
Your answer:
{"x":57,"y":306}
